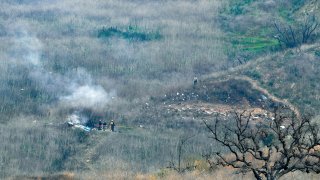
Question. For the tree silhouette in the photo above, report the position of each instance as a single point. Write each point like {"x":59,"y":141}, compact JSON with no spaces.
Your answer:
{"x":270,"y":148}
{"x":294,"y":35}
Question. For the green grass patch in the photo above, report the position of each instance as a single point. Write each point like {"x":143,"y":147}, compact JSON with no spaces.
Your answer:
{"x":254,"y":44}
{"x":237,"y":7}
{"x":134,"y":33}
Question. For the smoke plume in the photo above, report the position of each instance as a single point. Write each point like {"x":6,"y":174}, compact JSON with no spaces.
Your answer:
{"x":75,"y":89}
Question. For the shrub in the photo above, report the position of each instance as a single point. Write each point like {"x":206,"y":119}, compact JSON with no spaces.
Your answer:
{"x":131,"y":33}
{"x":299,"y":33}
{"x":254,"y":74}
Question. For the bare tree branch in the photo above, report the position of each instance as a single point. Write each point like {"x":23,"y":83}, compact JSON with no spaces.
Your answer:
{"x":293,"y":146}
{"x":293,"y":36}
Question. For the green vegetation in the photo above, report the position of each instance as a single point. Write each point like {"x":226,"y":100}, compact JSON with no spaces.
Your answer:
{"x":250,"y":26}
{"x":238,"y":7}
{"x":133,"y":33}
{"x":254,"y":44}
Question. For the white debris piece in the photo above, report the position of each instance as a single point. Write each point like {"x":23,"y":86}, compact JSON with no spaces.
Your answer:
{"x":86,"y":128}
{"x":70,"y":123}
{"x":282,"y":127}
{"x":74,"y":119}
{"x":264,"y":97}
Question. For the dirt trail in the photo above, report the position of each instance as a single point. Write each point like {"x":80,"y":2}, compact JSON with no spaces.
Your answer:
{"x":256,"y":62}
{"x":255,"y":85}
{"x":90,"y":151}
{"x":233,"y":74}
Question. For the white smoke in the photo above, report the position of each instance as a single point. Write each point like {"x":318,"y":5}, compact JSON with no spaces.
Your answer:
{"x":77,"y":118}
{"x":83,"y":92}
{"x":75,"y":89}
{"x":27,"y":47}
{"x":32,"y":51}
{"x":88,"y":96}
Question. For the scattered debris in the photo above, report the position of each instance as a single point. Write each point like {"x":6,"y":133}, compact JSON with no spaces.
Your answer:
{"x":76,"y":121}
{"x":70,"y":123}
{"x":264,"y":97}
{"x":85,"y":128}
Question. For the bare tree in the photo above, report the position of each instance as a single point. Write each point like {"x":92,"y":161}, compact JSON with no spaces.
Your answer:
{"x":308,"y":28}
{"x":286,"y":35}
{"x":179,"y":168}
{"x":294,"y":35}
{"x":268,"y":149}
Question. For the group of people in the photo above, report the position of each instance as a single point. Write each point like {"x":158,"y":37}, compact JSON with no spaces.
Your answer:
{"x":103,"y":125}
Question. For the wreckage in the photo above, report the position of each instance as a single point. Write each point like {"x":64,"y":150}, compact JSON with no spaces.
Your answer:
{"x":74,"y":120}
{"x":79,"y":126}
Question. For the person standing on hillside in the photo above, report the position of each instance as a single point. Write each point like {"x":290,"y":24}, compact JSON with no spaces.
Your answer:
{"x":112,"y":125}
{"x":104,"y":125}
{"x":100,"y":125}
{"x":195,"y":81}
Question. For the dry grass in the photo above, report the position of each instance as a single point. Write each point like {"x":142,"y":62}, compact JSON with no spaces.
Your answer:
{"x":169,"y":175}
{"x":219,"y":174}
{"x":67,"y":33}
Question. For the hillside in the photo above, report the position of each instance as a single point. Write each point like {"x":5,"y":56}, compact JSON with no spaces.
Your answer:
{"x":135,"y":62}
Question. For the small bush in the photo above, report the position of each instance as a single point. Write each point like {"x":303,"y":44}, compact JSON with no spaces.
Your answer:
{"x":254,"y":74}
{"x":131,"y":33}
{"x":238,"y":7}
{"x":297,"y":34}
